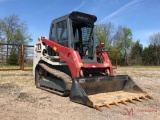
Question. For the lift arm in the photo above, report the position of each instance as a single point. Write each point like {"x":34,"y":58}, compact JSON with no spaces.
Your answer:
{"x":70,"y":56}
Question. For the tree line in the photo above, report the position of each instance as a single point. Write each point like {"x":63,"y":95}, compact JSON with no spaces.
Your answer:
{"x":130,"y":52}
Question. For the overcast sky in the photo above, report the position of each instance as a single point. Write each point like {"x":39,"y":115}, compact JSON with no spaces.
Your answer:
{"x":142,"y":16}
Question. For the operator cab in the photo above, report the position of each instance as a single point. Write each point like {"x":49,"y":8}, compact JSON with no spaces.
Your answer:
{"x":75,"y":31}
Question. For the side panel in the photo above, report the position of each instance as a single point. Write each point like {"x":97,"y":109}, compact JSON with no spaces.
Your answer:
{"x":53,"y":83}
{"x":37,"y":54}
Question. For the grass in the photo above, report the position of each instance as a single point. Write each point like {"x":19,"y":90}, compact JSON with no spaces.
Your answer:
{"x":9,"y":66}
{"x":15,"y":67}
{"x":138,"y":67}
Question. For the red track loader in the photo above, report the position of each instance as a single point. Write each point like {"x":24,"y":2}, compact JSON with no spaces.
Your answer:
{"x":72,"y":64}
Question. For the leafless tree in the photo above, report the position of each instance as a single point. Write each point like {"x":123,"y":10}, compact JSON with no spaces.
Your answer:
{"x":155,"y":39}
{"x":105,"y":33}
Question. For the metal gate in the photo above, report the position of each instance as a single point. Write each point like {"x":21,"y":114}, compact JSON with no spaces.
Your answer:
{"x":16,"y":57}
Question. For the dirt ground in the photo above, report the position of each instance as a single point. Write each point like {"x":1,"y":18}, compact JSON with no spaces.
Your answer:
{"x":20,"y":100}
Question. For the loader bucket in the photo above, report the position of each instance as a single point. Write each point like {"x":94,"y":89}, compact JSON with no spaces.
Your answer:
{"x":107,"y":90}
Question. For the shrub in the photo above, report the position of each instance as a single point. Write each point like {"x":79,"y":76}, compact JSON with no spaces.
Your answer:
{"x":13,"y":58}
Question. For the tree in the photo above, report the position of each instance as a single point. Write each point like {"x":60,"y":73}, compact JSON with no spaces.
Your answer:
{"x":118,"y":36}
{"x":13,"y":58}
{"x":123,"y":42}
{"x":104,"y":32}
{"x":119,"y":40}
{"x":148,"y":57}
{"x":151,"y":54}
{"x":154,"y":39}
{"x":126,"y":42}
{"x":136,"y":53}
{"x":1,"y":33}
{"x":14,"y":31}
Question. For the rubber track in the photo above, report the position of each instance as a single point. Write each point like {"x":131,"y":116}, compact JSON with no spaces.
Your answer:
{"x":61,"y":75}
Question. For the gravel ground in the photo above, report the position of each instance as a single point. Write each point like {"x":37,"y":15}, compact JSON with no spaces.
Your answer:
{"x":20,"y":100}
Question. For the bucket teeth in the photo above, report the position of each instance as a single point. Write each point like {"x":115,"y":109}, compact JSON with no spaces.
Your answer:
{"x":136,"y":98}
{"x":130,"y":100}
{"x":124,"y":102}
{"x":107,"y":105}
{"x":116,"y":103}
{"x":144,"y":97}
{"x":97,"y":108}
{"x":117,"y":98}
{"x":149,"y":97}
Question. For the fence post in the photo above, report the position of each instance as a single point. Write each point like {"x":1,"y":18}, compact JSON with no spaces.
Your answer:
{"x":22,"y":57}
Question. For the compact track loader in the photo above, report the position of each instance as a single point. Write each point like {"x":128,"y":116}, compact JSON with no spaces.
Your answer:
{"x":72,"y":64}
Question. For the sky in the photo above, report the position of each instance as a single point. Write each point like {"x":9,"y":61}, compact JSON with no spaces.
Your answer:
{"x":141,"y":16}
